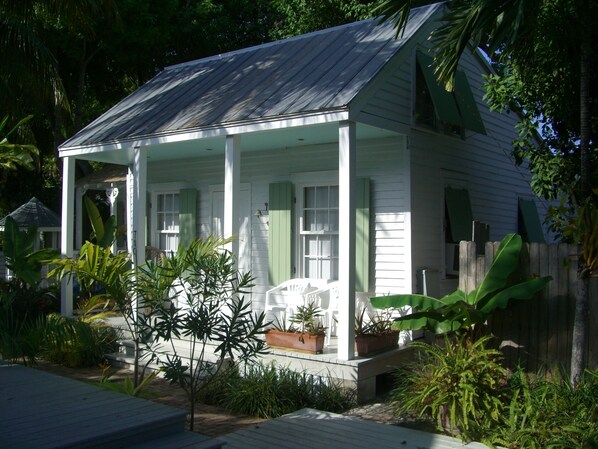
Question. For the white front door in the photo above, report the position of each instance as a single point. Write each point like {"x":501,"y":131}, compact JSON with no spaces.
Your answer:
{"x":217,"y":199}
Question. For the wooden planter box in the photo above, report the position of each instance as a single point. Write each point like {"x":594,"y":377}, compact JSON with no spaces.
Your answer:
{"x":373,"y":344}
{"x":314,"y":344}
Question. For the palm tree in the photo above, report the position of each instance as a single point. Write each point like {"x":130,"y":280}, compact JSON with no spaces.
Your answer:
{"x":13,"y":155}
{"x":506,"y":29}
{"x":29,"y":76}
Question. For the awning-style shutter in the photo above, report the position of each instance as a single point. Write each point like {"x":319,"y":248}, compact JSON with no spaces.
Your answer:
{"x":532,"y":228}
{"x":467,"y":105}
{"x":280,"y":232}
{"x":362,"y":239}
{"x":459,"y":213}
{"x":187,"y":213}
{"x":444,"y":102}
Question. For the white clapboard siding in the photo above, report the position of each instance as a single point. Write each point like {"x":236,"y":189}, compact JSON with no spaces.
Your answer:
{"x":380,"y":160}
{"x":480,"y":163}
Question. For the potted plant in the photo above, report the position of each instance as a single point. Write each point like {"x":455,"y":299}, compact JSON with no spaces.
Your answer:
{"x":374,"y":334}
{"x":305,"y":332}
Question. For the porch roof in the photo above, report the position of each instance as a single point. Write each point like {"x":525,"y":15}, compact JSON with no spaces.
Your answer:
{"x":308,"y":79}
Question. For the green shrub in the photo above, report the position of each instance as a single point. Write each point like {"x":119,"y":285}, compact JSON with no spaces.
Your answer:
{"x":552,"y":413}
{"x":460,"y":385}
{"x":268,"y":392}
{"x":22,"y":317}
{"x":76,"y":343}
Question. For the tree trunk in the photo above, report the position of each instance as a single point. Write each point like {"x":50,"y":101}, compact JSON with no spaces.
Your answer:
{"x":581,"y":321}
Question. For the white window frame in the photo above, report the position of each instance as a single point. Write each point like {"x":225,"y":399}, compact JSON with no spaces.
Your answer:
{"x":157,"y":232}
{"x":302,"y":234}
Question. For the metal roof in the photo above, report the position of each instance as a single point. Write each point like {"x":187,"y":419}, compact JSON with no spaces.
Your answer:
{"x":34,"y":212}
{"x":315,"y":72}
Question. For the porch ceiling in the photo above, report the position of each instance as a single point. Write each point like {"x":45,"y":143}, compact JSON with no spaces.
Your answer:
{"x":253,"y":141}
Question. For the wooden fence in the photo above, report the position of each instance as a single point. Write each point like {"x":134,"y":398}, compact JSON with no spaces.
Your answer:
{"x":537,"y":333}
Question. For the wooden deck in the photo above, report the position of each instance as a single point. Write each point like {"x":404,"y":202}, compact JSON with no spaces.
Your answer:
{"x":314,"y":429}
{"x":42,"y":410}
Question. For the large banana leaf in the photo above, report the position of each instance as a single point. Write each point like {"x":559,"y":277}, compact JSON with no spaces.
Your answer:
{"x":103,"y":232}
{"x":504,"y":264}
{"x":523,"y":290}
{"x":464,"y":311}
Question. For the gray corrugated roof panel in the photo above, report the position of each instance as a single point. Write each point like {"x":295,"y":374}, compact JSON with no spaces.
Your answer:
{"x":314,"y":72}
{"x":34,"y":212}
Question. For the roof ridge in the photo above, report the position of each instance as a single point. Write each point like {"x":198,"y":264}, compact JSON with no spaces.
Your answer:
{"x":239,"y":51}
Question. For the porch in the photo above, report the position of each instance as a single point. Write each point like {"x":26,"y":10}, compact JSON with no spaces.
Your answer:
{"x":363,"y":374}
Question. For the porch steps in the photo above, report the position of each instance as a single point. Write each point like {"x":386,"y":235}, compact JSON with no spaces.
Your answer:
{"x":43,"y":410}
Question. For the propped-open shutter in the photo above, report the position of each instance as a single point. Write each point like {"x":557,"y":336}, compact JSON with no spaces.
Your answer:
{"x":280,"y":232}
{"x":362,"y":239}
{"x":459,"y":213}
{"x":532,"y":228}
{"x":444,"y":102}
{"x":467,"y":105}
{"x":187,"y":213}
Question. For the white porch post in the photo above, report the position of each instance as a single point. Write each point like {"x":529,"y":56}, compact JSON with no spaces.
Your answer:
{"x":346,"y":235}
{"x":112,"y":194}
{"x":136,"y":199}
{"x":67,"y":234}
{"x":232,"y":183}
{"x":79,"y":217}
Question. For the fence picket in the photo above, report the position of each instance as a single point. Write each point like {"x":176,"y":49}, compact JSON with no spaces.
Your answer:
{"x":537,"y":333}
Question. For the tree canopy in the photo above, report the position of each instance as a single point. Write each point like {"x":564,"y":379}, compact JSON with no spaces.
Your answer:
{"x":72,"y":60}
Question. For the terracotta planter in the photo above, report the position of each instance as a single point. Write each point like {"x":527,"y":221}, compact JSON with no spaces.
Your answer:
{"x":373,"y":344}
{"x":314,"y":344}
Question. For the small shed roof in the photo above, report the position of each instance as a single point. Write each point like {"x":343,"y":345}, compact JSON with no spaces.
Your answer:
{"x":315,"y":72}
{"x":34,"y":212}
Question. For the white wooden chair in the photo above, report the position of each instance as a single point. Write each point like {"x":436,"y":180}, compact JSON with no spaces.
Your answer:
{"x":327,"y":299}
{"x":286,"y":296}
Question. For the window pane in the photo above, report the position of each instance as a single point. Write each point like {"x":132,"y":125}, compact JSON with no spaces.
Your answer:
{"x":310,"y":197}
{"x":311,"y":268}
{"x":321,"y":197}
{"x":325,"y":269}
{"x":322,"y":220}
{"x":334,"y":196}
{"x":325,"y":247}
{"x":309,"y":220}
{"x":311,"y":245}
{"x":175,"y":206}
{"x":333,"y":220}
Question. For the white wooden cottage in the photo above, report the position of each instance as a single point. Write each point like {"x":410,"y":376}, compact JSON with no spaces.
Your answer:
{"x":331,"y":155}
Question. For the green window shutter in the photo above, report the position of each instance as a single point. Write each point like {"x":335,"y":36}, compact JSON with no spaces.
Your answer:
{"x":362,"y":239}
{"x":467,"y":105}
{"x":187,"y":213}
{"x":444,"y":102}
{"x":279,"y":232}
{"x":532,"y":228}
{"x":460,"y":216}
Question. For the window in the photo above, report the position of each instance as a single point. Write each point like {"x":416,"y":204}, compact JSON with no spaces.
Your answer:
{"x":528,"y":222}
{"x":447,"y":112}
{"x":458,"y":220}
{"x":319,"y":232}
{"x":167,"y":220}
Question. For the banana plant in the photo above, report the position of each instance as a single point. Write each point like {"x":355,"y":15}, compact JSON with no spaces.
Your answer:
{"x":462,"y":312}
{"x":104,"y":233}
